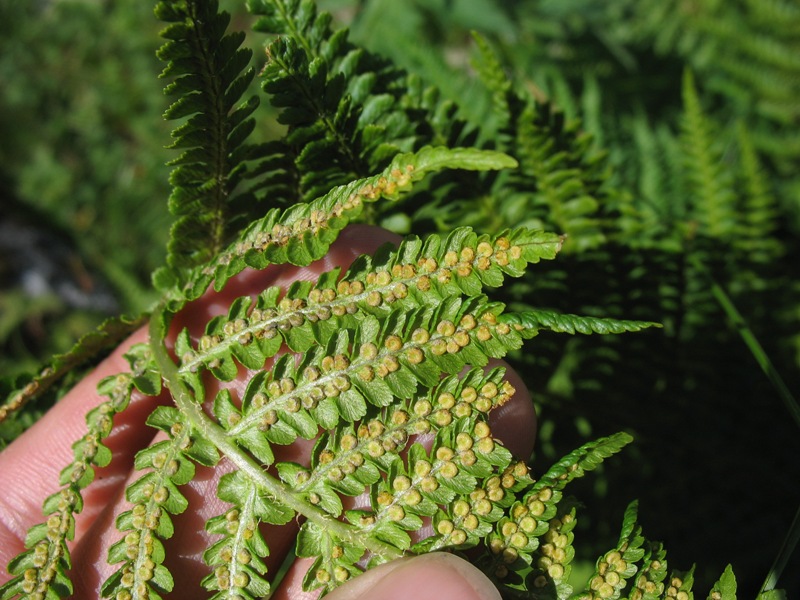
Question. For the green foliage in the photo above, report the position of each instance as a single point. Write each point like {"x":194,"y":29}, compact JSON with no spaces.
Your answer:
{"x":695,"y":189}
{"x":209,"y":73}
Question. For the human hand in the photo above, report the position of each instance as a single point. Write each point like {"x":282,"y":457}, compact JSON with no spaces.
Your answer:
{"x":30,"y":467}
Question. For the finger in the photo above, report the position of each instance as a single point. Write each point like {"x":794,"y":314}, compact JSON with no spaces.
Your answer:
{"x":185,"y":548}
{"x":435,"y":576}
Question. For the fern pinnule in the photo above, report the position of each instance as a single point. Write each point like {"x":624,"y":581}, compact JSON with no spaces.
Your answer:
{"x":565,"y":323}
{"x":237,"y":556}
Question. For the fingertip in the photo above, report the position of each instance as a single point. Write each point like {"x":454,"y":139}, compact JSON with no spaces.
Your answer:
{"x":435,"y":576}
{"x":514,"y":423}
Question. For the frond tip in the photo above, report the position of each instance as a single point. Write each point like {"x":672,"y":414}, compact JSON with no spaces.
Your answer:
{"x":535,"y":320}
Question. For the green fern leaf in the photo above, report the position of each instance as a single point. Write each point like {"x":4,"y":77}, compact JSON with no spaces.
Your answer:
{"x":209,"y":74}
{"x":535,"y":320}
{"x":714,"y":208}
{"x":725,"y":587}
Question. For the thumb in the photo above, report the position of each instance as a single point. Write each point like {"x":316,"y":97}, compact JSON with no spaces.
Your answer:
{"x":435,"y":576}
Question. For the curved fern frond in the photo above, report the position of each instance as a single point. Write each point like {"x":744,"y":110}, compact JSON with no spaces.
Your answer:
{"x":107,"y":335}
{"x":304,"y":233}
{"x":530,"y":527}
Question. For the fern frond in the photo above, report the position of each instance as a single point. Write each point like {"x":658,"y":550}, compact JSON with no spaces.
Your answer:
{"x":714,"y":205}
{"x":304,"y":233}
{"x":341,"y":104}
{"x":348,"y":111}
{"x":389,"y":357}
{"x":759,"y":209}
{"x":493,"y":75}
{"x":42,"y":568}
{"x":155,"y":496}
{"x":416,"y":274}
{"x":209,"y":74}
{"x":561,"y":177}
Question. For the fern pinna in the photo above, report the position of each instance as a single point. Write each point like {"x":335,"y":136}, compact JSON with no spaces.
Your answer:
{"x":363,"y":362}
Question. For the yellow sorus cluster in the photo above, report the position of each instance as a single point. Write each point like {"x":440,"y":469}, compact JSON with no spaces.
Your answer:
{"x":338,"y":573}
{"x":447,"y":406}
{"x":340,"y":465}
{"x":611,"y":572}
{"x":467,"y":513}
{"x":139,"y":549}
{"x":228,"y":575}
{"x":553,"y":553}
{"x":517,"y":533}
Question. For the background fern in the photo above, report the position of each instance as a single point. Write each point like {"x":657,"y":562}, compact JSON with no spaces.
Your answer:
{"x":645,"y":237}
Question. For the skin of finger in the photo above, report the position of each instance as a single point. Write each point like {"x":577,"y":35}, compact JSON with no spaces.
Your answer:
{"x":30,"y":466}
{"x":435,"y":576}
{"x":187,"y":545}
